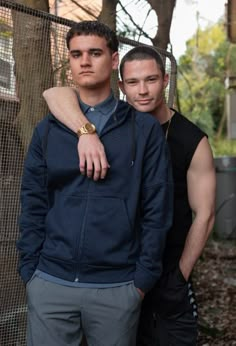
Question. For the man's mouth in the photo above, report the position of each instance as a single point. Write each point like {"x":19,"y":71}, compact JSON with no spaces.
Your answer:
{"x":143,"y":101}
{"x":85,"y":72}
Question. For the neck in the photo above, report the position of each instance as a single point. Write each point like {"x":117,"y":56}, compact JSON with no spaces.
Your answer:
{"x":163,"y":113}
{"x":92,"y":97}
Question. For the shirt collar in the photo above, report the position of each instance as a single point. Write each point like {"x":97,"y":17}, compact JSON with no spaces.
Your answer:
{"x":105,"y":107}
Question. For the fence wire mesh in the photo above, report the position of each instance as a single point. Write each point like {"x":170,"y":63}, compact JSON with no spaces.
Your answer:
{"x":33,"y":57}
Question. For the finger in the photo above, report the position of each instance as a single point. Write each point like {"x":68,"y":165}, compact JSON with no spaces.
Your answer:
{"x":96,"y":168}
{"x":104,"y":165}
{"x":89,"y":167}
{"x":142,"y":294}
{"x":104,"y":169}
{"x":82,"y":164}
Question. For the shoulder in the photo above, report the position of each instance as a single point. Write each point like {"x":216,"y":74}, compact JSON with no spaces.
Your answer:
{"x":185,"y":138}
{"x":40,"y":131}
{"x":203,"y":156}
{"x":146,"y":119}
{"x":187,"y":126}
{"x":185,"y":132}
{"x":149,"y":128}
{"x":43,"y":125}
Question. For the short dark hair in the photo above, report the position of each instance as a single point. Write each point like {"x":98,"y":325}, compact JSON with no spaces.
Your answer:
{"x":89,"y":27}
{"x":142,"y":53}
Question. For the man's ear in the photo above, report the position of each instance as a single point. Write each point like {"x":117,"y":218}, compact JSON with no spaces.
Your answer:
{"x":121,"y":86}
{"x":166,"y":79}
{"x":115,"y":60}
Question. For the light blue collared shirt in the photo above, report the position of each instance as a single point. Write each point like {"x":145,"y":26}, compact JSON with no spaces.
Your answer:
{"x":100,"y":114}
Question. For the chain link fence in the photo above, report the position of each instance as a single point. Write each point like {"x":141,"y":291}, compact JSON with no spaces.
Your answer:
{"x":33,"y":57}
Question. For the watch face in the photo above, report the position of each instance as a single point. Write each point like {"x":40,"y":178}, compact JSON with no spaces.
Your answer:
{"x":90,"y":127}
{"x":87,"y":128}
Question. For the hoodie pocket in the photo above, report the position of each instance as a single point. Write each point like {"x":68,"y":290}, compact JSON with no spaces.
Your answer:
{"x":64,"y":225}
{"x":108,"y":236}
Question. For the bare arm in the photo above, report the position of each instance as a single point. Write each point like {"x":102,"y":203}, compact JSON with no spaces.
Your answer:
{"x":63,"y":103}
{"x":201,"y":182}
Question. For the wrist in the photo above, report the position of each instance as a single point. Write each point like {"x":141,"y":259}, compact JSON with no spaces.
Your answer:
{"x":87,"y":128}
{"x":184,"y":270}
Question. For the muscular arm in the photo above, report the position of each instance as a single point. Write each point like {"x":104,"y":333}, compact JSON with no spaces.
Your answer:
{"x":63,"y":103}
{"x":201,"y":182}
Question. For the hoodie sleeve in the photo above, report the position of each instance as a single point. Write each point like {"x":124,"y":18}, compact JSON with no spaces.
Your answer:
{"x":157,"y":209}
{"x":34,"y":206}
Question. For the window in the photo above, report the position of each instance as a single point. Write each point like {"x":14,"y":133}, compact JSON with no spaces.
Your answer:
{"x":5,"y":74}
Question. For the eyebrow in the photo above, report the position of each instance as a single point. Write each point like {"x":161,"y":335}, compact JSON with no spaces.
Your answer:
{"x":91,"y":50}
{"x":156,"y":75}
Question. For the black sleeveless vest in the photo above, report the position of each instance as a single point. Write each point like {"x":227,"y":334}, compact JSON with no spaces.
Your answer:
{"x":183,"y":138}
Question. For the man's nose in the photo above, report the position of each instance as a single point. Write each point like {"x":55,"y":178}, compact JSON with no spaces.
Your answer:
{"x":143,"y":88}
{"x":85,"y":59}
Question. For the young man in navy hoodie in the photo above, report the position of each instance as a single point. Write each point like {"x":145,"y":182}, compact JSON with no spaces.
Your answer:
{"x":169,"y":314}
{"x":90,"y":250}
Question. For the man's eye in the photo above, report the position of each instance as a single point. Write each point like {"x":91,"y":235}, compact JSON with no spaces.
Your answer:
{"x":152,"y":79}
{"x":76,"y":55}
{"x":131,"y":82}
{"x":96,"y":54}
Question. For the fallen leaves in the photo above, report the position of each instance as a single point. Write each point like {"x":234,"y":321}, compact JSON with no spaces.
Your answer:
{"x":214,"y":279}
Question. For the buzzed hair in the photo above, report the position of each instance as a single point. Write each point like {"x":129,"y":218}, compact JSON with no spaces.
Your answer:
{"x":89,"y":27}
{"x":142,"y":53}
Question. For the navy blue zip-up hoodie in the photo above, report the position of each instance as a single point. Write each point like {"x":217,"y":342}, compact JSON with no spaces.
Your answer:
{"x":105,"y":231}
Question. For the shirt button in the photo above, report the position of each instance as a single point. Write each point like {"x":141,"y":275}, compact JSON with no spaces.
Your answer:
{"x":92,"y":109}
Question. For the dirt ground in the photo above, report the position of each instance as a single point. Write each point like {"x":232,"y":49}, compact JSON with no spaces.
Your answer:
{"x":214,"y":280}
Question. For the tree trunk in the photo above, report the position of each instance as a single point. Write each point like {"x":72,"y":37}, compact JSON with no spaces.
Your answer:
{"x":33,"y":66}
{"x":108,"y":17}
{"x":108,"y":13}
{"x":42,"y":5}
{"x":164,"y":11}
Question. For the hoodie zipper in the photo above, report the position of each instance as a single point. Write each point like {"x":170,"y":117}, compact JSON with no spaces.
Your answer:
{"x":81,"y":238}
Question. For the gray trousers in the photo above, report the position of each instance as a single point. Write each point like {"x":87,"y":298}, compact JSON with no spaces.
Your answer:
{"x":59,"y":315}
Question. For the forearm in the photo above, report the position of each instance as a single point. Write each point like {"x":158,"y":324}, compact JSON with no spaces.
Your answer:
{"x":195,"y":243}
{"x":63,"y":103}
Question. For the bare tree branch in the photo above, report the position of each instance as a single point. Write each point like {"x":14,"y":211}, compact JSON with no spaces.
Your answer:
{"x":84,"y":9}
{"x":135,"y":24}
{"x":145,"y":19}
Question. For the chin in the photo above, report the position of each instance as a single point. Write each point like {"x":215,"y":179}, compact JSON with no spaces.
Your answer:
{"x":89,"y":85}
{"x":144,"y":108}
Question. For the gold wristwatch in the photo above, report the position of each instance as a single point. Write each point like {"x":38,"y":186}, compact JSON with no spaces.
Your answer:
{"x":87,"y":128}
